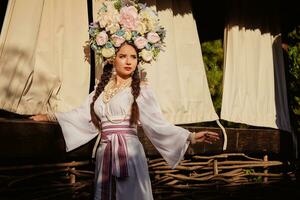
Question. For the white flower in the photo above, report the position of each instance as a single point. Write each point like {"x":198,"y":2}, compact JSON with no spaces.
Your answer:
{"x":110,"y":6}
{"x":108,"y":52}
{"x":149,"y":18}
{"x":146,"y":55}
{"x":147,"y":13}
{"x":152,"y":26}
{"x":141,"y":28}
{"x":127,"y":35}
{"x":108,"y":17}
{"x":112,"y":28}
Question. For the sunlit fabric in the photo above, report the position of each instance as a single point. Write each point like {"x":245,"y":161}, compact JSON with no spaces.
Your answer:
{"x":42,"y":61}
{"x":254,"y":90}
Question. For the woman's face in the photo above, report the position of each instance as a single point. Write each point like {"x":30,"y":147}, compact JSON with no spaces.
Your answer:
{"x":126,"y":61}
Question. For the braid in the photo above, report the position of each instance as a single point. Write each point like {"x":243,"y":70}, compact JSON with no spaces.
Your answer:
{"x":107,"y":72}
{"x":135,"y":91}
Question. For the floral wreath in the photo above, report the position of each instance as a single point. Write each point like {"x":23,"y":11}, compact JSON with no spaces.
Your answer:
{"x":130,"y":22}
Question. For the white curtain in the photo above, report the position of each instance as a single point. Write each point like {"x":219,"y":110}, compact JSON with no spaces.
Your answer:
{"x":254,"y":90}
{"x":42,"y":61}
{"x":18,"y":41}
{"x":178,"y":77}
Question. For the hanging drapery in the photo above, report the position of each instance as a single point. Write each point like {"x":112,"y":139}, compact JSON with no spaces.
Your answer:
{"x":254,"y":90}
{"x":42,"y":58}
{"x":184,"y":97}
{"x":18,"y":41}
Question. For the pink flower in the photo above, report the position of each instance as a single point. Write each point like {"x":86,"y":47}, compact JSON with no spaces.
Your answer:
{"x":140,"y":42}
{"x":129,"y":17}
{"x":117,"y":40}
{"x":153,"y":37}
{"x":101,"y":38}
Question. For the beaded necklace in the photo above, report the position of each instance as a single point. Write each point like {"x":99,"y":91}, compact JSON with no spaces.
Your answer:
{"x":111,"y":89}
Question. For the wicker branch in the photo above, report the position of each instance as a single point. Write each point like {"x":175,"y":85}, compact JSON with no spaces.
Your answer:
{"x":226,"y":155}
{"x":230,"y":169}
{"x":56,"y":165}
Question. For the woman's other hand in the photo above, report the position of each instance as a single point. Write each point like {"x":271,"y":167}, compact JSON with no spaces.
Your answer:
{"x":206,"y":136}
{"x":40,"y":118}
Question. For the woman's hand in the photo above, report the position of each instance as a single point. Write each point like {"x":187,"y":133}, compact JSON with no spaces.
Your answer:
{"x":40,"y":118}
{"x":206,"y":136}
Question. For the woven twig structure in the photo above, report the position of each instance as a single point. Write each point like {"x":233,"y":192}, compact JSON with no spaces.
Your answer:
{"x":74,"y":180}
{"x":200,"y":173}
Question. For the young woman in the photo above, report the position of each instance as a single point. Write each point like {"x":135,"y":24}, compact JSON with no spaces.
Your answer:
{"x":126,"y":34}
{"x":119,"y":103}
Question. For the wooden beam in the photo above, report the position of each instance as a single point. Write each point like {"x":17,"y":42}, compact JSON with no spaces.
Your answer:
{"x":253,"y":141}
{"x":25,"y":140}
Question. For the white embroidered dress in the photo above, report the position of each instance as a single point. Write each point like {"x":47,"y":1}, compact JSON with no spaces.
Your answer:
{"x":125,"y":150}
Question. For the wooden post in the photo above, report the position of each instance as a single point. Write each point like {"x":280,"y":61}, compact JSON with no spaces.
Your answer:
{"x":72,"y":176}
{"x":216,"y":172}
{"x":266,"y":169}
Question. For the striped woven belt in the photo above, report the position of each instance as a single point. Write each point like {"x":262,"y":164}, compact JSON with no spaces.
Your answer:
{"x":115,"y":153}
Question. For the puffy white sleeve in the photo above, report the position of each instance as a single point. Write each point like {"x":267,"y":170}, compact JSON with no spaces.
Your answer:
{"x":171,"y":141}
{"x":76,"y":126}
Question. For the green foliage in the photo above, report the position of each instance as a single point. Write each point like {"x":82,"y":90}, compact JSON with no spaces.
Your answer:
{"x":118,"y":5}
{"x":213,"y":61}
{"x":213,"y":58}
{"x":250,"y":171}
{"x":293,"y":75}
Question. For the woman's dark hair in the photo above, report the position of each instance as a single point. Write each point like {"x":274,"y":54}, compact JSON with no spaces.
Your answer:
{"x":107,"y":72}
{"x":135,"y":91}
